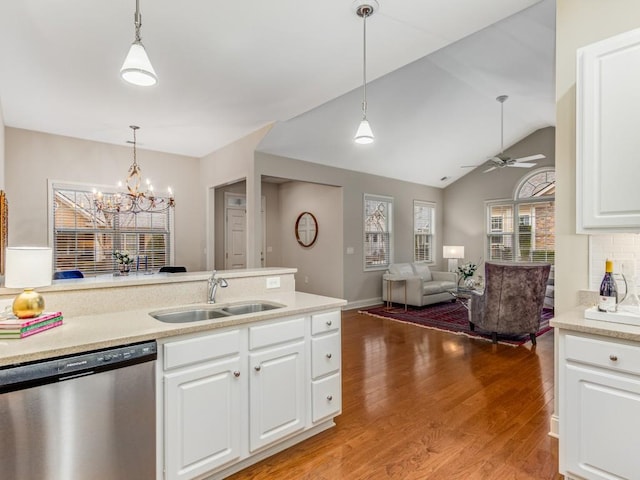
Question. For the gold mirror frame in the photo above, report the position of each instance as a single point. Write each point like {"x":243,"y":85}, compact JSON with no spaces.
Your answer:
{"x":306,"y":229}
{"x":4,"y":224}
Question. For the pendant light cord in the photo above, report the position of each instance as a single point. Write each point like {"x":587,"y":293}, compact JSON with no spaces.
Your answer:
{"x":365,"y":14}
{"x":137,"y":19}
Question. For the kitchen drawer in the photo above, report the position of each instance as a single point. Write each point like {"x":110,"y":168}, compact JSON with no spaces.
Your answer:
{"x":277,"y":332}
{"x":327,"y":397}
{"x":325,"y":322}
{"x":200,"y":349}
{"x":603,"y":353}
{"x":325,"y":354}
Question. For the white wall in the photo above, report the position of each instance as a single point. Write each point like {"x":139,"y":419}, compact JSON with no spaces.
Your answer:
{"x":33,"y":158}
{"x":316,"y":264}
{"x":464,"y":200}
{"x":2,"y":154}
{"x":579,"y":23}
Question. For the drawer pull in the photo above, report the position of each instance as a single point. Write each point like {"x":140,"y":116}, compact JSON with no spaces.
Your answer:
{"x":329,"y":397}
{"x":613,"y":358}
{"x":329,"y":323}
{"x":257,"y":368}
{"x":329,"y":355}
{"x":236,"y":374}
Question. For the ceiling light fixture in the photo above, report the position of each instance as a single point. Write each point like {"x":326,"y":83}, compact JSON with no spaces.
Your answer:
{"x":137,"y":68}
{"x":134,"y":200}
{"x":364,"y":9}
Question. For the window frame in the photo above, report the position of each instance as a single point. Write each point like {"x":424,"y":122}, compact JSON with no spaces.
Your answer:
{"x":431,"y":235}
{"x":55,"y":185}
{"x":514,"y":205}
{"x":370,"y":197}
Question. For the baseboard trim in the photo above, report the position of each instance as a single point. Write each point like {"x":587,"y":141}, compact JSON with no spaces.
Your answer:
{"x":554,"y":426}
{"x":369,"y":302}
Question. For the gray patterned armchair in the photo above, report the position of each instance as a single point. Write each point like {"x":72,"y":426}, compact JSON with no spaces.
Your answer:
{"x":512,"y":300}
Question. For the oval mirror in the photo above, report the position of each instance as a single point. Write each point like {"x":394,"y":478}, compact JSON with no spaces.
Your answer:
{"x":306,"y":229}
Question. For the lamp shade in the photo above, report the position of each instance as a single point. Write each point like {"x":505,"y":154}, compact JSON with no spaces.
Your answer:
{"x":364,"y":133}
{"x":137,"y":68}
{"x":452,"y":251}
{"x":28,"y":267}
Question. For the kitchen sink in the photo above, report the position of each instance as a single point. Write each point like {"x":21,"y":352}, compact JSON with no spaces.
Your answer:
{"x":249,"y":308}
{"x":186,"y":316}
{"x":203,"y":313}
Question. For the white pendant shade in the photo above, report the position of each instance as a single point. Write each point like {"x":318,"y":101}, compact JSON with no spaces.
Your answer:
{"x":137,"y":68}
{"x":364,"y":134}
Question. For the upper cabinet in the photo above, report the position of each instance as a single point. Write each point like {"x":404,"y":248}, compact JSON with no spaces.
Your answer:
{"x":608,"y":135}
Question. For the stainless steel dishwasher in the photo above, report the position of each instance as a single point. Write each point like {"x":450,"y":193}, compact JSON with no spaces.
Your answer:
{"x":79,"y":417}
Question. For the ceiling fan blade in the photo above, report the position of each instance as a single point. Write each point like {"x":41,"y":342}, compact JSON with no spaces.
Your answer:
{"x":529,"y":158}
{"x":489,"y":169}
{"x":522,"y":165}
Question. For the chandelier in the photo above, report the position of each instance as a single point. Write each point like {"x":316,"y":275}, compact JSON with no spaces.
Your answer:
{"x":133,"y":200}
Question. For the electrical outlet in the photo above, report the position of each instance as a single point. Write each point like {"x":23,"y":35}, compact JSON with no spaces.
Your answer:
{"x":350,"y":250}
{"x":306,"y":279}
{"x":273,"y":282}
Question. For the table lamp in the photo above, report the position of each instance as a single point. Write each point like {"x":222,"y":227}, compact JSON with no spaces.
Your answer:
{"x":28,"y":268}
{"x":453,"y":253}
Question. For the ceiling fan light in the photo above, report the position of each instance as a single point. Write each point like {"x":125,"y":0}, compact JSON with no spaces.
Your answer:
{"x":137,"y":68}
{"x":364,"y":134}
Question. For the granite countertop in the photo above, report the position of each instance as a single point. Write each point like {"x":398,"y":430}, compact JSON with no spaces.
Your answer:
{"x":574,"y":320}
{"x":91,"y":332}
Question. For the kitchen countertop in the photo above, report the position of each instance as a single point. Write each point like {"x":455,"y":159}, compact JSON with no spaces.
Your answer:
{"x":96,"y":331}
{"x":574,"y":320}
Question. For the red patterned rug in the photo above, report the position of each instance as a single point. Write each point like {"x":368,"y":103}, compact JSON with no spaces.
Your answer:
{"x":452,"y":317}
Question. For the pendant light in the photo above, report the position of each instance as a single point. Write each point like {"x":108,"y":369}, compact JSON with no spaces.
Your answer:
{"x":137,"y":68}
{"x":364,"y":9}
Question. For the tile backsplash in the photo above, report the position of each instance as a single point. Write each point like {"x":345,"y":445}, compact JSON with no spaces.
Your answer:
{"x":622,"y":248}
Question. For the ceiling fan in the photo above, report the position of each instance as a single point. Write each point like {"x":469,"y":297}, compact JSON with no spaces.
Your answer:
{"x":502,"y":160}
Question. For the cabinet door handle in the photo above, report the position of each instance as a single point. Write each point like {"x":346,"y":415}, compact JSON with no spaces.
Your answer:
{"x":257,"y":368}
{"x":613,"y":357}
{"x":329,"y":323}
{"x":329,"y":355}
{"x":236,"y":373}
{"x":329,"y":397}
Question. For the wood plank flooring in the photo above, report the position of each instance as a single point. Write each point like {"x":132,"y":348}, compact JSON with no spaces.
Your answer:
{"x":422,"y":404}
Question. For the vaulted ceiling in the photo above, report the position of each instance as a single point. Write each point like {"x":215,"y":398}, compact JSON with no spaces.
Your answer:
{"x":228,"y":68}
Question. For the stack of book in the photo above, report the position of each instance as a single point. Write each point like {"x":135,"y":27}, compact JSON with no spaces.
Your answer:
{"x":24,"y":327}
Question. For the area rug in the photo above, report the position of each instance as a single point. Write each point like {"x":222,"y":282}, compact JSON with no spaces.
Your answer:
{"x":452,"y":317}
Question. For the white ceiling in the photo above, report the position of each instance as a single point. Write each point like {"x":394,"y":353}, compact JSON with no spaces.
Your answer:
{"x":227,"y":68}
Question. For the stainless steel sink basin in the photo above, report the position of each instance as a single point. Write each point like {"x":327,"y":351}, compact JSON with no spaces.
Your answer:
{"x":187,"y":316}
{"x":249,"y":308}
{"x":202,"y":313}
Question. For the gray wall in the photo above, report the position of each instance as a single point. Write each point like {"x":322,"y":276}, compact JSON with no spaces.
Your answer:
{"x":464,"y":200}
{"x":33,"y":158}
{"x":317,"y":272}
{"x":360,"y":287}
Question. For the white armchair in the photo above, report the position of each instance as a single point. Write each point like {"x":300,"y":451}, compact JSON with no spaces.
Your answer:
{"x":424,"y":286}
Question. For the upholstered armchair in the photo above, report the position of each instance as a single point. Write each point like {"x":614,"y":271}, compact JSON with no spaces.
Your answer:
{"x":512,"y":300}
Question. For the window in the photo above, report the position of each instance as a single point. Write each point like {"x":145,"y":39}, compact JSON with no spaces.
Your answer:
{"x":534,"y":207}
{"x":423,"y":231}
{"x":85,"y":239}
{"x":378,"y":241}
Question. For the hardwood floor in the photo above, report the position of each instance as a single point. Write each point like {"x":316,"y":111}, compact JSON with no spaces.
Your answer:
{"x":423,"y":404}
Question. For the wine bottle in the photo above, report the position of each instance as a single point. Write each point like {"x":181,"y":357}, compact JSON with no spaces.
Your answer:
{"x":608,"y":301}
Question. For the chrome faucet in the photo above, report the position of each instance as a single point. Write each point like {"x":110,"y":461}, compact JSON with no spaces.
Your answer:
{"x":213,"y":286}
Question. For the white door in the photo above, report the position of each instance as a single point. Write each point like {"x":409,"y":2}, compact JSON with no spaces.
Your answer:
{"x":236,"y":241}
{"x":202,"y":418}
{"x":277,"y":394}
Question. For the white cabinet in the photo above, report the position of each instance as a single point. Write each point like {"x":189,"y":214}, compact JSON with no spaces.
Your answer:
{"x":326,"y":359}
{"x":277,"y":382}
{"x":608,"y":144}
{"x":599,"y":401}
{"x":201,"y":404}
{"x":235,"y":395}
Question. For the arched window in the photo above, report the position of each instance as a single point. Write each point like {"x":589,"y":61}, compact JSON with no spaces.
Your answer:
{"x":523,"y":229}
